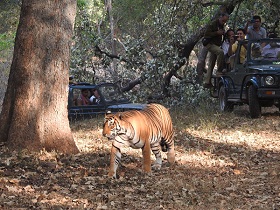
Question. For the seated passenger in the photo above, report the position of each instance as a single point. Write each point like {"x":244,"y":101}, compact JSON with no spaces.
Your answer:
{"x":256,"y":52}
{"x":232,"y":49}
{"x":95,"y":97}
{"x":83,"y":98}
{"x":271,"y":50}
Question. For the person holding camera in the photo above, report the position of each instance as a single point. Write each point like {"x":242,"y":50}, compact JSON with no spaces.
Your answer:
{"x":233,"y":48}
{"x":212,"y":40}
{"x":255,"y":31}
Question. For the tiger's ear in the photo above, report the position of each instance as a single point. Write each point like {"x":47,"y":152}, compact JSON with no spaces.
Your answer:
{"x":108,"y":114}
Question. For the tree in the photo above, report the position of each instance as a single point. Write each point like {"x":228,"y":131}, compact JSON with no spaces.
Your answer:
{"x":175,"y":40}
{"x":34,"y":113}
{"x":147,"y":36}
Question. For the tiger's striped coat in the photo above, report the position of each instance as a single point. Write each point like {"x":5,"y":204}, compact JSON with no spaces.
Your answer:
{"x":148,"y":129}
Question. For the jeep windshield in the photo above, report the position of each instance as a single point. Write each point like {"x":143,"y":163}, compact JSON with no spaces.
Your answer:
{"x":264,"y":51}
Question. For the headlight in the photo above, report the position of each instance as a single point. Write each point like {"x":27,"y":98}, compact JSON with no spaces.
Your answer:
{"x":269,"y":80}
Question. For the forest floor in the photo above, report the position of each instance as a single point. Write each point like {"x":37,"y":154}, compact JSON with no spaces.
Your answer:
{"x":223,"y":161}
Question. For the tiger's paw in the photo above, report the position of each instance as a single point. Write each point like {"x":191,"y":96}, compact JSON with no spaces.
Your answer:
{"x":156,"y":166}
{"x":113,"y":176}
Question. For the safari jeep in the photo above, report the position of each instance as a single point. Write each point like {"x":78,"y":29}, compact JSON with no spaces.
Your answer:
{"x":110,"y":99}
{"x":255,"y":82}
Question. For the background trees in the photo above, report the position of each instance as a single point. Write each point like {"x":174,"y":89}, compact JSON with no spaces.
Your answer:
{"x":159,"y":44}
{"x":9,"y":14}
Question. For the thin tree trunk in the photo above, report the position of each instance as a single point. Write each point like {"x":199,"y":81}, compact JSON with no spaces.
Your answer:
{"x":113,"y":41}
{"x":34,"y":114}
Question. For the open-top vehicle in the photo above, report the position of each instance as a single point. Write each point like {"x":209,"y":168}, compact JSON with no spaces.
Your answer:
{"x":255,"y":82}
{"x":110,"y":98}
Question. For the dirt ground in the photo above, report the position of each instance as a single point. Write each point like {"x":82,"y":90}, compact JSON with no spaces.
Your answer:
{"x":226,"y":161}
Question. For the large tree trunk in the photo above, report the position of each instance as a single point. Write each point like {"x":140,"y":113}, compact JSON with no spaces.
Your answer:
{"x":34,"y":113}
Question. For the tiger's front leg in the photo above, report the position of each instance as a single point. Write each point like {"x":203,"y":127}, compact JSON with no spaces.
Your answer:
{"x":115,"y":159}
{"x":146,"y":152}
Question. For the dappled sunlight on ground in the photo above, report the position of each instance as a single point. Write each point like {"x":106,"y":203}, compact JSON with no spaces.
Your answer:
{"x":250,"y":140}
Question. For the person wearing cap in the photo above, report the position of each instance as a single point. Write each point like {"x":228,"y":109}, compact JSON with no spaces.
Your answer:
{"x":256,"y":52}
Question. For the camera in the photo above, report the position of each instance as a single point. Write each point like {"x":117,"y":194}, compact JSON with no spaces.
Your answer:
{"x":235,"y":37}
{"x":253,"y":21}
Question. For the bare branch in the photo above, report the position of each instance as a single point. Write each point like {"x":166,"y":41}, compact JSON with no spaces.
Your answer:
{"x":132,"y":84}
{"x":208,"y":4}
{"x":97,"y":48}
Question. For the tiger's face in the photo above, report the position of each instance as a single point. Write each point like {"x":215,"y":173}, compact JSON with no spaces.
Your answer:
{"x":110,"y":126}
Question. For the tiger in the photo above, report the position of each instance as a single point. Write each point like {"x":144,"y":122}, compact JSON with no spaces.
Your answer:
{"x":150,"y":129}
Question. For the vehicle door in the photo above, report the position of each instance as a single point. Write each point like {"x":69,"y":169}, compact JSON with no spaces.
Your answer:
{"x":238,"y":72}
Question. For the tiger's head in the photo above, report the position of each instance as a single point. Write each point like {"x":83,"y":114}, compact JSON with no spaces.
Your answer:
{"x":112,"y":125}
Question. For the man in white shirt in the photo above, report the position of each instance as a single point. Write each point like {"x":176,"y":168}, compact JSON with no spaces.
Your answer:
{"x":228,"y":41}
{"x":271,"y":51}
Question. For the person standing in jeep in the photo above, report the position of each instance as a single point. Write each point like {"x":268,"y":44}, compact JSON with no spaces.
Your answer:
{"x":212,"y":41}
{"x":255,"y":31}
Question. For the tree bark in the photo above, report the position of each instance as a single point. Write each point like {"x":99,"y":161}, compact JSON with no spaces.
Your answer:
{"x":113,"y":41}
{"x":34,"y":114}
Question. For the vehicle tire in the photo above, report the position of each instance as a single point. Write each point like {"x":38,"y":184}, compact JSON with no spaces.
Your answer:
{"x":254,"y":104}
{"x":225,"y":105}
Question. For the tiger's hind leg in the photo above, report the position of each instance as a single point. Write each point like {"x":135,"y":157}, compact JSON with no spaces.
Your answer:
{"x":171,"y":153}
{"x":168,"y":146}
{"x":115,"y":159}
{"x":156,"y":150}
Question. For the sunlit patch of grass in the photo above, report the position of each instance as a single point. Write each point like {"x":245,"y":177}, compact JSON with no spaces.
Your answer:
{"x":236,"y":128}
{"x":200,"y":118}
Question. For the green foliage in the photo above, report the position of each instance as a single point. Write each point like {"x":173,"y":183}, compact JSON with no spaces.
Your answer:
{"x":81,"y":4}
{"x":9,"y":15}
{"x":89,"y":13}
{"x":6,"y":41}
{"x":130,"y":12}
{"x":151,"y":47}
{"x":188,"y":93}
